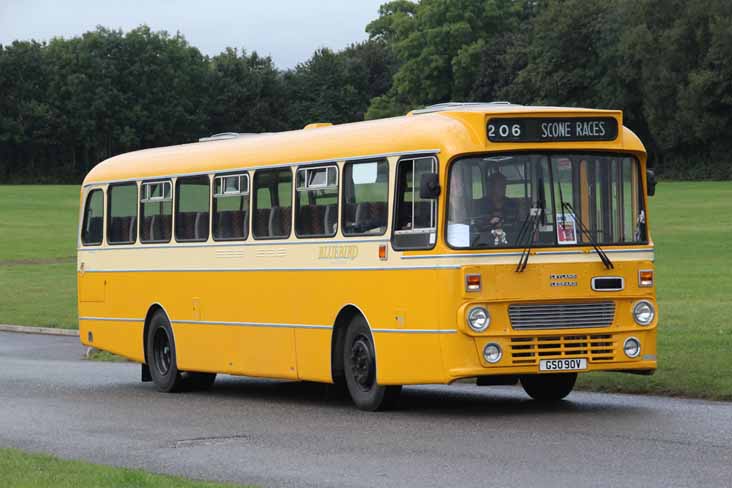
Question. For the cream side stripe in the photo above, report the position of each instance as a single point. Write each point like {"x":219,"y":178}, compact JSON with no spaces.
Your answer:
{"x":111,"y":319}
{"x":275,"y":325}
{"x":253,"y":324}
{"x":418,"y":152}
{"x":471,"y":255}
{"x":269,"y":242}
{"x":607,"y":251}
{"x":504,"y":254}
{"x":415,"y":331}
{"x":229,"y":270}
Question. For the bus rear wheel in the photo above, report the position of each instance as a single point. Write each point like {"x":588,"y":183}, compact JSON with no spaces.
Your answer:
{"x":161,"y":355}
{"x":548,"y":387}
{"x":359,"y":360}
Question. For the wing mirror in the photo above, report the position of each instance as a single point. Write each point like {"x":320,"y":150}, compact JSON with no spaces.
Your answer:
{"x":651,"y":182}
{"x":429,"y":187}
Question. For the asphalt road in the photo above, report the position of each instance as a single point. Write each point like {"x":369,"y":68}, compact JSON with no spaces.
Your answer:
{"x":272,"y":433}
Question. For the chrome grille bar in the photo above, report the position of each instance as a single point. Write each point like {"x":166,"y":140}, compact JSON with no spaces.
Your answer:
{"x":561,"y":315}
{"x":529,"y":350}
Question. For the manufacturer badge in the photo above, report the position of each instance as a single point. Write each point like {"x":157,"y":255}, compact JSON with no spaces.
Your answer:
{"x":556,"y":280}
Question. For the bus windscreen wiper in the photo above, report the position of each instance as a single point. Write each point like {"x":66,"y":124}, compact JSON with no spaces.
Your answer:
{"x":529,"y":228}
{"x":584,"y":230}
{"x":603,"y":256}
{"x":527,"y":235}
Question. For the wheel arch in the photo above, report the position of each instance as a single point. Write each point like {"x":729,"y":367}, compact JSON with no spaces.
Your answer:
{"x":342,"y":320}
{"x":148,"y":318}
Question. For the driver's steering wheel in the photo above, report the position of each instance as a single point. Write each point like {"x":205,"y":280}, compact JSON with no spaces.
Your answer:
{"x":485,"y":222}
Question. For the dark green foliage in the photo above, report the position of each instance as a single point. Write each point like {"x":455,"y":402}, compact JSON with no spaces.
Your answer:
{"x":666,"y":63}
{"x":337,"y":87}
{"x":247,"y":94}
{"x":94,"y":96}
{"x":70,"y":103}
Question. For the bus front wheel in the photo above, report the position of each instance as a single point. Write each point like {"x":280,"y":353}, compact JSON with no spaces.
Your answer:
{"x":359,"y":360}
{"x":548,"y":387}
{"x":161,"y":355}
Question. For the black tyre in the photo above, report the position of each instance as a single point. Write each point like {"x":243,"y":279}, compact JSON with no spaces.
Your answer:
{"x":548,"y":387}
{"x":359,"y":361}
{"x":161,"y":355}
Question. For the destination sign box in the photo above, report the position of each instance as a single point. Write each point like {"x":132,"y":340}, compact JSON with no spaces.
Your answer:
{"x":546,"y":129}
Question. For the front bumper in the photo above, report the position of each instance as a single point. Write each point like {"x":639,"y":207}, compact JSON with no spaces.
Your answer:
{"x":522,"y":352}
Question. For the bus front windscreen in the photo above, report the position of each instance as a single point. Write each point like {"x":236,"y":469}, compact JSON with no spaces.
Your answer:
{"x":503,"y":201}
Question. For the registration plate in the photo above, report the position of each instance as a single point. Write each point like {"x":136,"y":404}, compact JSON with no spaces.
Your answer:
{"x":563,"y":364}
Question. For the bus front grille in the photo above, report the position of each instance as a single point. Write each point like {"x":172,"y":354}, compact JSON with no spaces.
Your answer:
{"x":561,"y":315}
{"x":594,"y":347}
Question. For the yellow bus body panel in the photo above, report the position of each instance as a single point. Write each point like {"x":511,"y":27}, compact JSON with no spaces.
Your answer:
{"x":269,"y":308}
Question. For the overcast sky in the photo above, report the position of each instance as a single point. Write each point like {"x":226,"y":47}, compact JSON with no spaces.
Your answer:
{"x":287,"y":30}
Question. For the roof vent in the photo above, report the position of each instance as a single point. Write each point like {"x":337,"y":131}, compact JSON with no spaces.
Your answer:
{"x":220,"y":136}
{"x":233,"y":135}
{"x":317,"y":125}
{"x":442,"y":107}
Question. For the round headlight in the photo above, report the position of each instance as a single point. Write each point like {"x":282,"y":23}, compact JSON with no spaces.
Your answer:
{"x":492,"y":353}
{"x":643,"y":313}
{"x":479,"y":319}
{"x":632,"y":347}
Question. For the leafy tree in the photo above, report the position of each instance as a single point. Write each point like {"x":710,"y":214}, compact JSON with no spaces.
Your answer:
{"x":246,"y":94}
{"x":337,"y":87}
{"x":439,"y":44}
{"x":70,"y":103}
{"x":24,"y":112}
{"x":683,"y":49}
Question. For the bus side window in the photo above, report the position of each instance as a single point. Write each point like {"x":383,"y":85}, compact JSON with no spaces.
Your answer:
{"x":272,"y":204}
{"x":93,"y":225}
{"x":191,"y":208}
{"x":365,"y":198}
{"x":156,"y":211}
{"x":415,"y":218}
{"x":231,"y":207}
{"x":316,"y":201}
{"x":122,"y":213}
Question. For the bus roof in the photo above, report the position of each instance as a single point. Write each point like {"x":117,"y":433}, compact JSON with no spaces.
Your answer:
{"x":452,"y":128}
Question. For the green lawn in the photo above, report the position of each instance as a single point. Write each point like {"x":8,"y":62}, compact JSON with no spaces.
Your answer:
{"x":691,"y":225}
{"x":18,"y":470}
{"x":37,"y":255}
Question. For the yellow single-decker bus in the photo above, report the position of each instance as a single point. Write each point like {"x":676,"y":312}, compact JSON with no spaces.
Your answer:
{"x":493,"y":241}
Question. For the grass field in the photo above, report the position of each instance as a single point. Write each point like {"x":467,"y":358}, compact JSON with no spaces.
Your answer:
{"x":691,"y":225}
{"x":37,"y":255}
{"x":19,"y":470}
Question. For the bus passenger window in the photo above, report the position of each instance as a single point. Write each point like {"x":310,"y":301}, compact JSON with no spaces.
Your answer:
{"x":122,"y":214}
{"x":272,"y":204}
{"x":365,"y":198}
{"x":231,"y":207}
{"x":316,"y":202}
{"x":416,"y":218}
{"x":191,"y":208}
{"x":156,"y":211}
{"x":91,"y":229}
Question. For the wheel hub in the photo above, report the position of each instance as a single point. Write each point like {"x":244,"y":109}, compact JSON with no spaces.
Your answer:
{"x":162,"y":352}
{"x":362,"y":363}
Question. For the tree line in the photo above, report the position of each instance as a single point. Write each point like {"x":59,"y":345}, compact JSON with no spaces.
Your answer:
{"x":67,"y":104}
